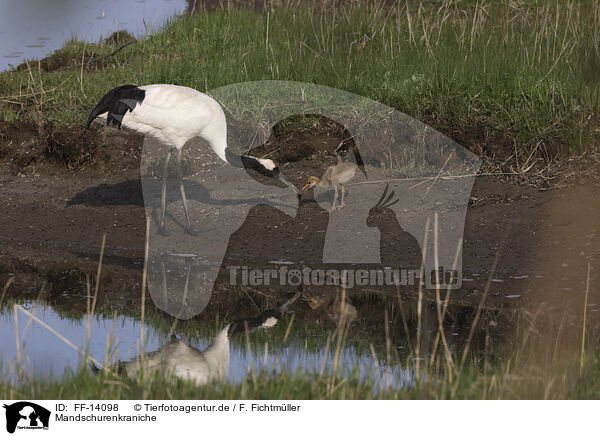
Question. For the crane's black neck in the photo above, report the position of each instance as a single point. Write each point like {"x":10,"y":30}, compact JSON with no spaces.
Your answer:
{"x":249,"y":162}
{"x":251,"y":324}
{"x":233,"y":159}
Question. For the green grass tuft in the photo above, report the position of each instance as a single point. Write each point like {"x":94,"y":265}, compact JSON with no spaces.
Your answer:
{"x":502,"y":77}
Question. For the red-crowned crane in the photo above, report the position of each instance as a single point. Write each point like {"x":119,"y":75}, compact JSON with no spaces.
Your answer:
{"x":177,"y":359}
{"x":201,"y":367}
{"x":174,"y":115}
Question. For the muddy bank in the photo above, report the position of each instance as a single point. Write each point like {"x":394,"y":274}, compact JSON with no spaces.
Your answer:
{"x":27,"y":148}
{"x":57,"y":208}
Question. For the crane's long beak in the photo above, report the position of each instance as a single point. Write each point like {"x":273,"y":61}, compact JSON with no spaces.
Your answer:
{"x":291,"y":185}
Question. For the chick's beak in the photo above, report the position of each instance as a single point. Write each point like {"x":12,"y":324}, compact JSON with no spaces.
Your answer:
{"x":307,"y":186}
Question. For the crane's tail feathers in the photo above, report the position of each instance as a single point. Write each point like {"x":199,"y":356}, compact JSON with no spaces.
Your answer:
{"x":359,"y":162}
{"x":351,"y":146}
{"x":98,"y":110}
{"x":264,"y":320}
{"x":117,"y":103}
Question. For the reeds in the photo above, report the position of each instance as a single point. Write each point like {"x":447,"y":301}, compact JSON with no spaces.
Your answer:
{"x":457,"y":372}
{"x":585,"y":303}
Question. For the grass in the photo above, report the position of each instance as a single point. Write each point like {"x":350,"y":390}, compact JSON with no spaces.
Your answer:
{"x":513,"y":80}
{"x":512,"y":379}
{"x":519,"y":80}
{"x":550,"y":357}
{"x":545,"y":361}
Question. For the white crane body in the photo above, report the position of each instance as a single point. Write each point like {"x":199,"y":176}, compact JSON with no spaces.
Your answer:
{"x":174,"y":115}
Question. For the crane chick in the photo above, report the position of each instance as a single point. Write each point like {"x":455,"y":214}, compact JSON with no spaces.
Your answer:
{"x":334,"y":176}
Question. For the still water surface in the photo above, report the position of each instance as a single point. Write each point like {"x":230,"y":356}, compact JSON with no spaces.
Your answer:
{"x":33,"y":29}
{"x":41,"y":354}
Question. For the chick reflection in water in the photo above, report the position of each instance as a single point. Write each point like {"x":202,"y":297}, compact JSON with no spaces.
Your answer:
{"x":338,"y":309}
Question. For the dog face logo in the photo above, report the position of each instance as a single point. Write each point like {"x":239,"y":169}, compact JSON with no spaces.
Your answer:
{"x":26,"y":415}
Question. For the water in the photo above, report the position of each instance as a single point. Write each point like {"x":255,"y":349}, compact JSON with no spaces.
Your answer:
{"x":33,"y":29}
{"x":41,"y":354}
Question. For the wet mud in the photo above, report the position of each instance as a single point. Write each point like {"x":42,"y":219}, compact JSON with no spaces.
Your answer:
{"x":55,"y":212}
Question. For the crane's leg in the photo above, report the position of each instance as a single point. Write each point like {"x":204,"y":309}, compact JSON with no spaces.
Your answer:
{"x":188,"y":227}
{"x":335,"y":196}
{"x":184,"y":301}
{"x":343,"y":193}
{"x":161,"y":226}
{"x":164,"y":282}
